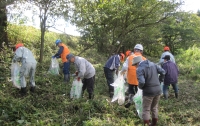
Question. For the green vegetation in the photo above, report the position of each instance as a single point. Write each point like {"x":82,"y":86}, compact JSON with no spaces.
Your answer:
{"x":107,"y":26}
{"x":51,"y":103}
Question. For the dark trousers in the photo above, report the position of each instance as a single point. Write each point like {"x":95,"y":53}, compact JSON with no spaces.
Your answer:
{"x":109,"y":77}
{"x":132,"y":89}
{"x":66,"y":67}
{"x":89,"y":84}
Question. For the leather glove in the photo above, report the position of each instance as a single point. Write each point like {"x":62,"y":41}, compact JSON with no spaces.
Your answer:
{"x":78,"y":79}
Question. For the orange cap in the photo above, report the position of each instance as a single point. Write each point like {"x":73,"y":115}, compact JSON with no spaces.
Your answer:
{"x":166,"y":48}
{"x":128,"y":52}
{"x":18,"y":45}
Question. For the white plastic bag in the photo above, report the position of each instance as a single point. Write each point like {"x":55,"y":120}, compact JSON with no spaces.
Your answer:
{"x":15,"y":78}
{"x":76,"y":89}
{"x":115,"y":76}
{"x":54,"y":67}
{"x":119,"y":90}
{"x":138,"y":102}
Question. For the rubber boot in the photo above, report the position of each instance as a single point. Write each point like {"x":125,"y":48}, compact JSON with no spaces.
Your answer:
{"x":91,"y":96}
{"x":130,"y":100}
{"x":154,"y":121}
{"x":176,"y":95}
{"x":66,"y":77}
{"x":23,"y":91}
{"x":146,"y":122}
{"x":32,"y":89}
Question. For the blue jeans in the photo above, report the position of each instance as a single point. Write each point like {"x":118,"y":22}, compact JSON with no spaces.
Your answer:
{"x":66,"y":66}
{"x":166,"y":87}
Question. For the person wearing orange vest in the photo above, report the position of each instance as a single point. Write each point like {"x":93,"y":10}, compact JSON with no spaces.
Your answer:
{"x":131,"y":73}
{"x":62,"y":53}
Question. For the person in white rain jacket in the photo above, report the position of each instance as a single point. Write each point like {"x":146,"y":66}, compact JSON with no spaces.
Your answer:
{"x":28,"y":67}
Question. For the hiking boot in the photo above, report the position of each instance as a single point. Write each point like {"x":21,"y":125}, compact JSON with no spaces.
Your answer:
{"x":176,"y":95}
{"x":32,"y":89}
{"x":146,"y":122}
{"x":154,"y":122}
{"x":23,"y":91}
{"x":91,"y":96}
{"x":111,"y":94}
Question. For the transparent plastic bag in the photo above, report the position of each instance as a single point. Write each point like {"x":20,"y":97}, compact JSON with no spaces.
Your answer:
{"x":115,"y":76}
{"x":119,"y":90}
{"x":138,"y":102}
{"x":54,"y":67}
{"x":15,"y":77}
{"x":76,"y":89}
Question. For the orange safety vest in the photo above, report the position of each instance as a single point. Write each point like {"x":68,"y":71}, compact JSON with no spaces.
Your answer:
{"x":64,"y":53}
{"x":131,"y":73}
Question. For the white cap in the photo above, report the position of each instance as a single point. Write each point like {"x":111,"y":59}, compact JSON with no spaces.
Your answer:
{"x":138,"y":46}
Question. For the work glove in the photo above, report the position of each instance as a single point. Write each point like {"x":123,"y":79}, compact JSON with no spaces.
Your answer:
{"x":78,"y":78}
{"x":53,"y":57}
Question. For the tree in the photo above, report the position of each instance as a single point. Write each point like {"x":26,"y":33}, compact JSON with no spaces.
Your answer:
{"x":49,"y":12}
{"x":181,"y":31}
{"x":198,"y":13}
{"x":106,"y":22}
{"x":3,"y":21}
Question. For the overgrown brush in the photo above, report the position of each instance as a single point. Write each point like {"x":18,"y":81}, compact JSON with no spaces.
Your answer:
{"x":189,"y":62}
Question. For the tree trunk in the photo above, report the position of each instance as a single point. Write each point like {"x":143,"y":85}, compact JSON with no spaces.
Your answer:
{"x":42,"y":45}
{"x":3,"y":27}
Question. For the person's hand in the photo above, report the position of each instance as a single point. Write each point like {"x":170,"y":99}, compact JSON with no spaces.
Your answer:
{"x":161,"y":79}
{"x":122,"y":73}
{"x":14,"y":61}
{"x":78,"y":78}
{"x":76,"y":73}
{"x":117,"y":72}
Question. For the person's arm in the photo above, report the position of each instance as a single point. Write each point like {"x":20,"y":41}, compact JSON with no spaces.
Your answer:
{"x":161,"y":60}
{"x":140,"y":77}
{"x":162,"y":72}
{"x":57,"y":55}
{"x":81,"y":69}
{"x":117,"y":63}
{"x":172,"y":58}
{"x":18,"y":55}
{"x":125,"y":66}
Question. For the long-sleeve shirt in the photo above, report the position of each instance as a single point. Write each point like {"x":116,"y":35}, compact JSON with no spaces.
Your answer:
{"x":24,"y":55}
{"x":85,"y":69}
{"x":171,"y":76}
{"x":147,"y":74}
{"x":163,"y":55}
{"x":113,"y":62}
{"x":57,"y":55}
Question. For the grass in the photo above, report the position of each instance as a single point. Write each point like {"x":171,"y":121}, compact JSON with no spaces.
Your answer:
{"x":51,"y":103}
